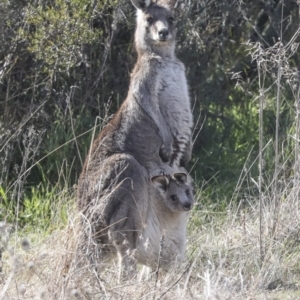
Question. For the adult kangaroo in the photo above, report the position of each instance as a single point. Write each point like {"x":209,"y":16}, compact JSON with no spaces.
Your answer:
{"x":149,"y":136}
{"x":154,"y":122}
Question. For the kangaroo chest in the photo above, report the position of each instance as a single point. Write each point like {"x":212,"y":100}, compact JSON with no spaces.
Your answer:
{"x":161,"y":241}
{"x":173,"y":97}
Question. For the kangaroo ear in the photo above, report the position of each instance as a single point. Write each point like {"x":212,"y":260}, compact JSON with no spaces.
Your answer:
{"x":161,"y":182}
{"x":141,"y":4}
{"x":181,"y":177}
{"x":170,"y":4}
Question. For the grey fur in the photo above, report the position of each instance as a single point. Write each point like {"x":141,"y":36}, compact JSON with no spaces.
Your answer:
{"x":127,"y":215}
{"x":158,"y":81}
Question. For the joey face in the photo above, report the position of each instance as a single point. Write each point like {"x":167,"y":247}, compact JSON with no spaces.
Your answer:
{"x":176,"y":192}
{"x":155,"y":24}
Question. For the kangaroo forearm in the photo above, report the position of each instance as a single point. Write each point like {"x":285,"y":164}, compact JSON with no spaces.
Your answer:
{"x":187,"y":154}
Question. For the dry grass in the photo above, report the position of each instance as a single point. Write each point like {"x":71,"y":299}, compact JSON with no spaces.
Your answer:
{"x":223,"y":261}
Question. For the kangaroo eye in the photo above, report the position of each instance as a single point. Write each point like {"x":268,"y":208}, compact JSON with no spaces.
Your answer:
{"x":187,"y":192}
{"x":171,"y":20}
{"x":150,"y":20}
{"x":173,"y":197}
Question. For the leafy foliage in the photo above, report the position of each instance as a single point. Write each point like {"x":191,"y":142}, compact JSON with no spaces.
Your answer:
{"x":57,"y":33}
{"x":64,"y":63}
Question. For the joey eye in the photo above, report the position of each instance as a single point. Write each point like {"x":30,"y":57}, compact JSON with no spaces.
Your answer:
{"x":150,"y":20}
{"x":187,"y":192}
{"x":173,"y":197}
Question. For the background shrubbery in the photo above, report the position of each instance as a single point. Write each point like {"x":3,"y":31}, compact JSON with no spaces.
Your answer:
{"x":65,"y":67}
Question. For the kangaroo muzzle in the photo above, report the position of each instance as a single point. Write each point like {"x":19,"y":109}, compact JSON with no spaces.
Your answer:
{"x":162,"y":31}
{"x":163,"y":34}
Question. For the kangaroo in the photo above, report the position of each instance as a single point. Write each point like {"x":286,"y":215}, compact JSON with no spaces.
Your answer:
{"x":128,"y":215}
{"x":163,"y":237}
{"x":154,"y":122}
{"x":149,"y":136}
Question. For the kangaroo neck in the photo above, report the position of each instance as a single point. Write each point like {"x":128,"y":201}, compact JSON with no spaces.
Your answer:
{"x":167,"y":51}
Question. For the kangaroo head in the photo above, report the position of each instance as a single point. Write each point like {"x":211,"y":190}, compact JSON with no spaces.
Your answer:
{"x":155,"y":30}
{"x":176,"y":191}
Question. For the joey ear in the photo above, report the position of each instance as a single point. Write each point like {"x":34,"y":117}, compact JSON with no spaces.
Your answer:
{"x":181,"y":177}
{"x":172,"y":4}
{"x":141,"y":4}
{"x":161,"y":182}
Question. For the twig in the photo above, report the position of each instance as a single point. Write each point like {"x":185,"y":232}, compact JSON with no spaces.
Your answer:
{"x":184,"y":272}
{"x":161,"y":245}
{"x":260,"y":179}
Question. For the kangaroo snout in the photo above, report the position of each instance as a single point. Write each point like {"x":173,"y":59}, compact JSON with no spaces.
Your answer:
{"x":163,"y":34}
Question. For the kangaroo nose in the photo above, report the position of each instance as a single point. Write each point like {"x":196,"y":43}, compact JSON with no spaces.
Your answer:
{"x":163,"y":34}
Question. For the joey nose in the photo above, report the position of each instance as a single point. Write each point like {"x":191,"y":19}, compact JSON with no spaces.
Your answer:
{"x":187,"y":205}
{"x":163,"y":34}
